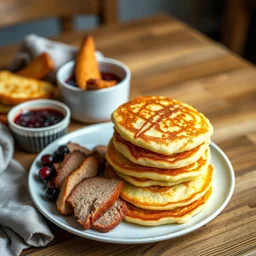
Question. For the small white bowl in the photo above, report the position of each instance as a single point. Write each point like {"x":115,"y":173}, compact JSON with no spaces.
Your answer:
{"x":36,"y":139}
{"x":93,"y":106}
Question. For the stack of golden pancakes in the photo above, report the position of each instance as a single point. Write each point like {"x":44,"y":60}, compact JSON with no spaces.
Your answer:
{"x":160,"y":148}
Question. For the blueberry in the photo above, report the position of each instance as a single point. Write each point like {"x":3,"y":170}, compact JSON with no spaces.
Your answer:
{"x":52,"y":193}
{"x":63,"y":150}
{"x":60,"y":153}
{"x":51,"y":184}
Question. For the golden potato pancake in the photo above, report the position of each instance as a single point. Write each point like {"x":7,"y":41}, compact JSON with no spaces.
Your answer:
{"x":145,"y":157}
{"x":125,"y":166}
{"x":156,"y":218}
{"x":167,"y":198}
{"x":161,"y":125}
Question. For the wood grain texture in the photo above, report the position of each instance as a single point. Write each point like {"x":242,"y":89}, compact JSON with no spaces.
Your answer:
{"x":169,"y":58}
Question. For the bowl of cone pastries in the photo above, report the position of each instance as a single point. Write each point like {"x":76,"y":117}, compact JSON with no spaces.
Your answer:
{"x":93,"y":86}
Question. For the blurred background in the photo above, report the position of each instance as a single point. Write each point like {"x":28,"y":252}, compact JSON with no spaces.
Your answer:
{"x":230,"y":22}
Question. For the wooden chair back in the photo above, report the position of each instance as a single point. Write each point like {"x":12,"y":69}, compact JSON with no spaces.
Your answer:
{"x":18,"y":11}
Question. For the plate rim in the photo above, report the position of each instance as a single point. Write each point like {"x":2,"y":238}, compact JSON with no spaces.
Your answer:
{"x":158,"y":238}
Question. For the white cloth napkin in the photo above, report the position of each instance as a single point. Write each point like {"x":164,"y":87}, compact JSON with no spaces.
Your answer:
{"x":34,"y":45}
{"x":21,"y":225}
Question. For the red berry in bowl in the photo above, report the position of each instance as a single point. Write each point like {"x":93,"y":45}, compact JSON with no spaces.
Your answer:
{"x":51,"y":194}
{"x":45,"y":174}
{"x":47,"y":160}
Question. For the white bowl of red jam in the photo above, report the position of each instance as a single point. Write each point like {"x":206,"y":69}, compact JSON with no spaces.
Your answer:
{"x":93,"y":106}
{"x":37,"y":123}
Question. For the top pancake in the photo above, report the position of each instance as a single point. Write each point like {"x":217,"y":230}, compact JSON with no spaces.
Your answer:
{"x":161,"y":125}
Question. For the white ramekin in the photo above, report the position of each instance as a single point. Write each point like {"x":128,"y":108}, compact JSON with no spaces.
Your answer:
{"x":92,"y":106}
{"x":35,"y":139}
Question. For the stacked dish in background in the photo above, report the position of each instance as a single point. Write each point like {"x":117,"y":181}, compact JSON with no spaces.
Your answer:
{"x":160,"y":148}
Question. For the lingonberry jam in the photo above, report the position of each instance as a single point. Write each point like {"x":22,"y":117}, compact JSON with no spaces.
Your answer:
{"x":104,"y":75}
{"x":37,"y":118}
{"x":110,"y":76}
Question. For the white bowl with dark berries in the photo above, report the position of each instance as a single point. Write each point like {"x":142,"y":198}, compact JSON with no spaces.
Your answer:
{"x":37,"y":123}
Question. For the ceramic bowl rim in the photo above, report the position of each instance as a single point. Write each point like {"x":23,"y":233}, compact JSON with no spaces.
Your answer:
{"x":34,"y":103}
{"x":69,"y":65}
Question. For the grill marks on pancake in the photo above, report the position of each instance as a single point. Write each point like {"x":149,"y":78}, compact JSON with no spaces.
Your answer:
{"x":172,"y":119}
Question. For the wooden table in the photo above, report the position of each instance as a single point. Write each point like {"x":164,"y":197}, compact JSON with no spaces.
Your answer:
{"x":169,"y":58}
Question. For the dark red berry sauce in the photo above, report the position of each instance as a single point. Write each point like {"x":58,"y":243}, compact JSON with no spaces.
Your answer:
{"x":110,"y":76}
{"x":37,"y":118}
{"x":104,"y":75}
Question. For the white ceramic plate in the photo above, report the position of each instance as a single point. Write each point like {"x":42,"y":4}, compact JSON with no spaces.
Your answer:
{"x":125,"y":233}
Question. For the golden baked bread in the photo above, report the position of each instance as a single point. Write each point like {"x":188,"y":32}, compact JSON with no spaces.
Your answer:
{"x":15,"y":89}
{"x":39,"y":67}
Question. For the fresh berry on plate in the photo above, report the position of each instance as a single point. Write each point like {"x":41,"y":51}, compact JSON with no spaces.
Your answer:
{"x":51,"y":193}
{"x":51,"y":184}
{"x":63,"y":150}
{"x":47,"y":160}
{"x":60,"y":153}
{"x":46,"y":173}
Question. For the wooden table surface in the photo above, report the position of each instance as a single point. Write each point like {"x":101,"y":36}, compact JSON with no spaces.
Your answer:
{"x":169,"y":58}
